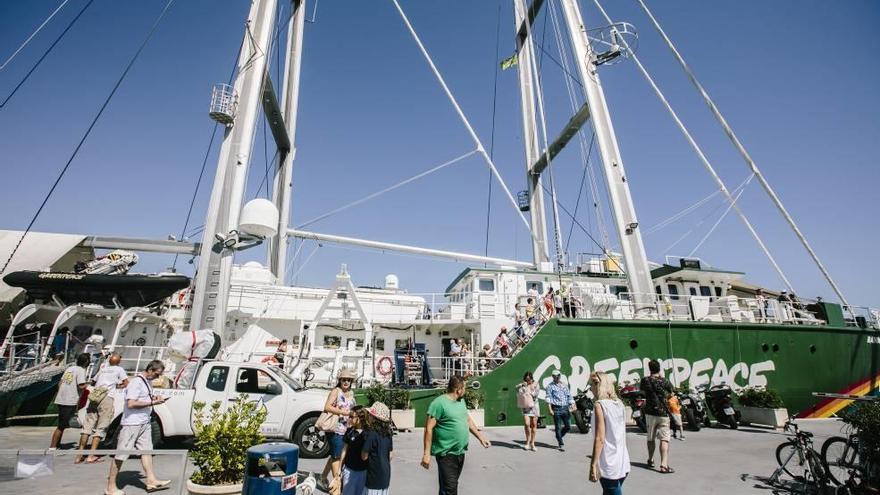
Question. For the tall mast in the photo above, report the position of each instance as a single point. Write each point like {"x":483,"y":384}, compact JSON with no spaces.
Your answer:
{"x":530,"y":132}
{"x":626,"y":222}
{"x":284,"y":175}
{"x":215,"y":262}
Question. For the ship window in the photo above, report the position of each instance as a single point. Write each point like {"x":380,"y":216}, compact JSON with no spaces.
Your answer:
{"x":380,"y":344}
{"x":538,"y":286}
{"x":332,"y":341}
{"x":718,"y":291}
{"x":673,"y":291}
{"x":217,"y":378}
{"x":705,"y":290}
{"x":658,"y":290}
{"x":487,"y":285}
{"x":692,"y":291}
{"x":401,"y":343}
{"x":358,"y":343}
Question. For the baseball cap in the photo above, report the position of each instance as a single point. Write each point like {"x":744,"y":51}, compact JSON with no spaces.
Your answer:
{"x":555,"y":373}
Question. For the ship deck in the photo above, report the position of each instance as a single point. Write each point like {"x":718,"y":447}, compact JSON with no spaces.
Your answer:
{"x":709,"y":461}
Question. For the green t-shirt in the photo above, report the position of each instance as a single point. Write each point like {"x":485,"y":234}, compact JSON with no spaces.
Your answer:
{"x":451,"y":433}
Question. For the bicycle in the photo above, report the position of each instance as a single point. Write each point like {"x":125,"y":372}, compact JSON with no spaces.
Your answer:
{"x":841,"y":458}
{"x":798,"y":459}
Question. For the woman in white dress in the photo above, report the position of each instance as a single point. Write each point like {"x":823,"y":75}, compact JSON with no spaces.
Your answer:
{"x":610,"y":462}
{"x":527,"y":401}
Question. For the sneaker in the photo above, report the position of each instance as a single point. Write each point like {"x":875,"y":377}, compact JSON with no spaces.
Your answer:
{"x":533,"y":449}
{"x":561,"y":447}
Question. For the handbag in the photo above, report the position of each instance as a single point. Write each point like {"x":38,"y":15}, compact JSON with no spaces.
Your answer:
{"x":524,"y":399}
{"x":98,"y":394}
{"x":327,"y":421}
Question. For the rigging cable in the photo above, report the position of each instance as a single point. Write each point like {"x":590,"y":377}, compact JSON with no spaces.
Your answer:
{"x":44,"y":55}
{"x":88,"y":131}
{"x":492,"y":135}
{"x":723,"y":215}
{"x":674,"y":218}
{"x":29,"y":38}
{"x":745,"y":155}
{"x":387,"y":189}
{"x":702,"y":156}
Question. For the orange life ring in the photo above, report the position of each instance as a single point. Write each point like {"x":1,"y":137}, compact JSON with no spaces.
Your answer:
{"x":384,"y":366}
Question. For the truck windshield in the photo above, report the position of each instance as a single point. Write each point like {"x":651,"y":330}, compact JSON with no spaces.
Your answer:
{"x":294,"y":384}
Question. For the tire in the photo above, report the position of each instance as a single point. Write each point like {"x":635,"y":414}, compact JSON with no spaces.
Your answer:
{"x":838,"y":458}
{"x":796,"y":466}
{"x":156,"y":432}
{"x":642,"y":424}
{"x":691,"y":419}
{"x":312,"y":443}
{"x":582,"y":424}
{"x":707,"y":421}
{"x":730,"y":420}
{"x":109,"y":441}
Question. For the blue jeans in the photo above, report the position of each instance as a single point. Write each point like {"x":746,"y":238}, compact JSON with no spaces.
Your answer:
{"x":561,"y":416}
{"x":612,"y":487}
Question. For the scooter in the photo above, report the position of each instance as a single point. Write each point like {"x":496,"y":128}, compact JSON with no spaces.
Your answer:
{"x":636,"y":400}
{"x":583,"y":413}
{"x":719,"y":399}
{"x":693,"y":409}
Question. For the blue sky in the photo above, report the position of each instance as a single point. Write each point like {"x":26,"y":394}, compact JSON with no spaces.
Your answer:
{"x":797,"y":80}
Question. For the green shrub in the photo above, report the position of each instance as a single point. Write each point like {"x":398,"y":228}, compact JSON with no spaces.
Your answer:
{"x":473,"y":398}
{"x":394,"y":398}
{"x":864,"y":417}
{"x":759,"y":397}
{"x":222,"y":440}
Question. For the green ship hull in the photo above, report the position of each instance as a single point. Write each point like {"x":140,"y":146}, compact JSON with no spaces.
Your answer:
{"x":795,"y":360}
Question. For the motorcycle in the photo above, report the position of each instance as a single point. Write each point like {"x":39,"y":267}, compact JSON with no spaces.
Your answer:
{"x":636,"y":400}
{"x":719,"y":399}
{"x":583,"y":414}
{"x":693,"y":409}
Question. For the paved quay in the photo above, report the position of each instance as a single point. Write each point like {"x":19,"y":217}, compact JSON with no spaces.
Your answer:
{"x":708,"y":461}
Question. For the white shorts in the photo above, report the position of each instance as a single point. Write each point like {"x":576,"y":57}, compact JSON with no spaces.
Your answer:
{"x":658,"y":427}
{"x":134,"y":437}
{"x":374,"y":491}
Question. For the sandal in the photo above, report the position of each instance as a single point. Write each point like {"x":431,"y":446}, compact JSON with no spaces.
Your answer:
{"x":161,"y":485}
{"x":666,"y":470}
{"x":650,"y":463}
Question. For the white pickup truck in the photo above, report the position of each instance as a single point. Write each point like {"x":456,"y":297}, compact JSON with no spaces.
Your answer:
{"x":292,"y":409}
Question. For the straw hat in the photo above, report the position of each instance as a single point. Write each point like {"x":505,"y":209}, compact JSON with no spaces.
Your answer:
{"x":346,"y":373}
{"x":380,"y":411}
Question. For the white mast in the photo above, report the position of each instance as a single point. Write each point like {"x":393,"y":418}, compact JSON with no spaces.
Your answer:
{"x":284,"y":176}
{"x":215,"y":261}
{"x":530,"y":134}
{"x":636,"y":261}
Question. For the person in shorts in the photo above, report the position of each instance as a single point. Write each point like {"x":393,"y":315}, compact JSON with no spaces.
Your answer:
{"x":675,"y":416}
{"x":657,"y":390}
{"x":70,"y":388}
{"x":527,"y":400}
{"x":99,"y":414}
{"x":135,"y":432}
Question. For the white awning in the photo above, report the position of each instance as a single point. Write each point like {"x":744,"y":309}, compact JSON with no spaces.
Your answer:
{"x":39,"y":251}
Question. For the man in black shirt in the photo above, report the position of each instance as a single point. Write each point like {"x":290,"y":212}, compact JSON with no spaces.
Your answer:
{"x":657,"y":391}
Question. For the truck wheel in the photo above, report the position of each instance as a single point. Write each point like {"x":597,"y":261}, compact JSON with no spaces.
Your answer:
{"x":156,"y":432}
{"x":312,"y":442}
{"x":112,"y":435}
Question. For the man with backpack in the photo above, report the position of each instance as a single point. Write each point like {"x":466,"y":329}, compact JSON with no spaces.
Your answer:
{"x":657,"y":390}
{"x":100,"y":410}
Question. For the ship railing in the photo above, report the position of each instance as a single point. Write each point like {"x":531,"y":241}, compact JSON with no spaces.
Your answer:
{"x":443,"y":368}
{"x":731,"y":309}
{"x":862,"y":317}
{"x":22,"y":354}
{"x":134,"y":358}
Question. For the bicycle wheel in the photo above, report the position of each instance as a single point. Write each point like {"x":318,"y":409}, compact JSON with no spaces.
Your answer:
{"x":817,"y":468}
{"x":792,"y":460}
{"x":839,"y":458}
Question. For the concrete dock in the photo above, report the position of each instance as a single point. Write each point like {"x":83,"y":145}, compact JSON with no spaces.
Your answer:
{"x":709,"y":461}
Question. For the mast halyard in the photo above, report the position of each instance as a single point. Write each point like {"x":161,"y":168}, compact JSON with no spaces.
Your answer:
{"x":626,"y":222}
{"x":211,"y":291}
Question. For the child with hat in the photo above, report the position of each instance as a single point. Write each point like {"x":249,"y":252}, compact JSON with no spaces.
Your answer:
{"x":378,"y":449}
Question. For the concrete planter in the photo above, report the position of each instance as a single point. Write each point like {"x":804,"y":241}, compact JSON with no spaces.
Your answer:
{"x":479,"y":417}
{"x":404,"y":419}
{"x":774,"y":418}
{"x":196,"y":489}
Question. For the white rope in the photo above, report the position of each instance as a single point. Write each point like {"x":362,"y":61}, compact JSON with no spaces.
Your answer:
{"x":697,"y":149}
{"x":723,"y":215}
{"x":745,"y":154}
{"x":682,"y":213}
{"x":480,"y":149}
{"x":387,"y":189}
{"x":28,"y":40}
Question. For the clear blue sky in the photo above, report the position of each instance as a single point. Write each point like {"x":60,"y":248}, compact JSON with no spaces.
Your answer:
{"x":798,"y":80}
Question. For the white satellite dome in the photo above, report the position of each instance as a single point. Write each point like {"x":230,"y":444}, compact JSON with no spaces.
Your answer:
{"x":391,"y":281}
{"x":259,"y":217}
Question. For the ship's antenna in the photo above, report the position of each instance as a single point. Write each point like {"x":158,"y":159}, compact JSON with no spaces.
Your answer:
{"x":745,"y":154}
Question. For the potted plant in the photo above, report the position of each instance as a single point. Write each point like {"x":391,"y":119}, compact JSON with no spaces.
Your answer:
{"x":864,"y":419}
{"x":222,"y":438}
{"x":762,"y":406}
{"x":398,"y":400}
{"x":473,"y":399}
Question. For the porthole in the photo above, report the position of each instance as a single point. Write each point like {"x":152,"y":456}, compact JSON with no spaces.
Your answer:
{"x":633,"y":343}
{"x":502,"y":417}
{"x":812,"y":349}
{"x":775,"y":347}
{"x":765,"y":347}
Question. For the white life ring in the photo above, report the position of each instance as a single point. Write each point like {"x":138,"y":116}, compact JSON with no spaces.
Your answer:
{"x":384,"y":366}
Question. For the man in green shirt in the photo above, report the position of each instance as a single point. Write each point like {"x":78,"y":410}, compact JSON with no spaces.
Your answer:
{"x":446,"y":435}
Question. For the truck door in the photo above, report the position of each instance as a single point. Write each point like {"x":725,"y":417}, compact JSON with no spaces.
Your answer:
{"x":213,"y":385}
{"x":259,"y":385}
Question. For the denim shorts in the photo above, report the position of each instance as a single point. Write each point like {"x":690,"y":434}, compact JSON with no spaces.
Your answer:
{"x":336,"y":443}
